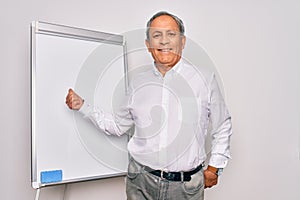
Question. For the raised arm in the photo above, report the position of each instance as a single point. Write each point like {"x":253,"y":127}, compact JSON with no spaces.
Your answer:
{"x":116,"y":123}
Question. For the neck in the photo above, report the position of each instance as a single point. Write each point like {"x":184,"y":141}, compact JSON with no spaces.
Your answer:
{"x":163,"y":68}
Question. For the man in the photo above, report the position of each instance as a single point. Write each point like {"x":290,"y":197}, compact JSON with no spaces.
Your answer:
{"x":171,"y":105}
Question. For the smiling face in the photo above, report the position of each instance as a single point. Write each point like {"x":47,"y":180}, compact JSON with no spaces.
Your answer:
{"x":165,"y":42}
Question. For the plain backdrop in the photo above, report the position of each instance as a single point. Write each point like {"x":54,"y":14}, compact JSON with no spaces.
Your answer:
{"x":255,"y":47}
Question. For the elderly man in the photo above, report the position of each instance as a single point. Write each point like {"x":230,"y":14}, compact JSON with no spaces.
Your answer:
{"x":171,"y":105}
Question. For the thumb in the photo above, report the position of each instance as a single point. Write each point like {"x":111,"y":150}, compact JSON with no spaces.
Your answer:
{"x":71,"y":90}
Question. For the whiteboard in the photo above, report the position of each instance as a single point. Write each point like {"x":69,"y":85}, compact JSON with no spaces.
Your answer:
{"x":66,"y":147}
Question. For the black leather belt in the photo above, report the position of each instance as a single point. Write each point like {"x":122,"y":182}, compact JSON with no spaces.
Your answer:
{"x":173,"y":176}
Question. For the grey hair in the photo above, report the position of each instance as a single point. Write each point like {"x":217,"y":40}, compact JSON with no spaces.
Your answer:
{"x":177,"y":19}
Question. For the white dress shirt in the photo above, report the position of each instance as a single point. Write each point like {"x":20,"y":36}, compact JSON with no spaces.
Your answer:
{"x":172,"y":115}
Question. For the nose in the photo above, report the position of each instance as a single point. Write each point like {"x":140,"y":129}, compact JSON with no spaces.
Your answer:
{"x":164,"y":39}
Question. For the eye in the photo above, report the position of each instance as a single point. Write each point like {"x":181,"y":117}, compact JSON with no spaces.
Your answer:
{"x":156,"y":35}
{"x":171,"y":34}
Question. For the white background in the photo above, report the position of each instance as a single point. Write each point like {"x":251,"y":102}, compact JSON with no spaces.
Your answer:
{"x":255,"y":46}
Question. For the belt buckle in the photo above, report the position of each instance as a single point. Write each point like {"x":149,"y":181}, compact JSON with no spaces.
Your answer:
{"x":162,"y":173}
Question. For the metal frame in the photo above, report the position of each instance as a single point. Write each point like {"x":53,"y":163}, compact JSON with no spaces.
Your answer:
{"x":74,"y":33}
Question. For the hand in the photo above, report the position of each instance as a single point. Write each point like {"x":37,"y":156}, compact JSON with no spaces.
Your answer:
{"x":210,"y":178}
{"x":73,"y":100}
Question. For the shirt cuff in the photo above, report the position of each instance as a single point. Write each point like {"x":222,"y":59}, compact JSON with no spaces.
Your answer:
{"x":85,"y":108}
{"x":218,"y":161}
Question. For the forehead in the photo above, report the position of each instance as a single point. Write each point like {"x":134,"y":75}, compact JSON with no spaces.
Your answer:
{"x":164,"y":22}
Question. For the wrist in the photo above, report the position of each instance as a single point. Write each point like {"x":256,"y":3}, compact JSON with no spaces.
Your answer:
{"x":217,"y":171}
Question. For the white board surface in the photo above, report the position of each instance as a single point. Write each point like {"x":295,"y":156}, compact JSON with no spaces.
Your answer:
{"x":62,"y":140}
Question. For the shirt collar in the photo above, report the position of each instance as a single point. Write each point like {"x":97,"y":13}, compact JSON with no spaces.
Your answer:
{"x":174,"y":70}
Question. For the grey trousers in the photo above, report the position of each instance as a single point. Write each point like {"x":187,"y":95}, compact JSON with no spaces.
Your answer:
{"x":141,"y":185}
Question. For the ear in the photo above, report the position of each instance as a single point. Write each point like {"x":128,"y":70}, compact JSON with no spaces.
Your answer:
{"x":183,"y":40}
{"x":147,"y":43}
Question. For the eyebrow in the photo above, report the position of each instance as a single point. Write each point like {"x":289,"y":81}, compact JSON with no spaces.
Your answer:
{"x":158,"y":31}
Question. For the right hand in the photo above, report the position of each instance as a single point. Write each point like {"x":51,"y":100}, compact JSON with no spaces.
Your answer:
{"x":73,"y":100}
{"x":210,"y":178}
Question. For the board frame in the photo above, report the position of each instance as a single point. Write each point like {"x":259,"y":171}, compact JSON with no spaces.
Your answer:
{"x":38,"y":27}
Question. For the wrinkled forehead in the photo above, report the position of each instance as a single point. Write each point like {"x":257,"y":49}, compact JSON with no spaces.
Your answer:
{"x":164,"y":23}
{"x":162,"y":30}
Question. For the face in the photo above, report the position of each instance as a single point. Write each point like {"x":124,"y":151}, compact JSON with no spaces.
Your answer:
{"x":165,"y":42}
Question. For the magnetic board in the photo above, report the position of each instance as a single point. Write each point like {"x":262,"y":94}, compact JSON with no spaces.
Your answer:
{"x":66,"y":147}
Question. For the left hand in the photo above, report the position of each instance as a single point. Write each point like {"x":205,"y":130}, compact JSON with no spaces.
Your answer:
{"x":210,"y":178}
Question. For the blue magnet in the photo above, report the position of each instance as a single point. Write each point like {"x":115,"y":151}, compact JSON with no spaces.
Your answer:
{"x":51,"y":176}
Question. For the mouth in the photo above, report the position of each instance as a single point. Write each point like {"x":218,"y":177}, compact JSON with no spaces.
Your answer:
{"x":165,"y":50}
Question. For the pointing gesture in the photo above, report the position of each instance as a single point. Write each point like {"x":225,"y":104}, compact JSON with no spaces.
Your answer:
{"x":73,"y":100}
